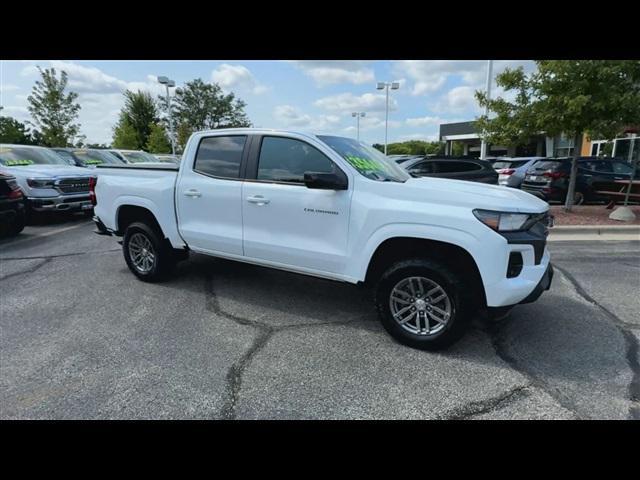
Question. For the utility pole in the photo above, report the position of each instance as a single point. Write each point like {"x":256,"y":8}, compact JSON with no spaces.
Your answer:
{"x":358,"y":115}
{"x":169,"y":83}
{"x":483,"y":145}
{"x":385,"y":86}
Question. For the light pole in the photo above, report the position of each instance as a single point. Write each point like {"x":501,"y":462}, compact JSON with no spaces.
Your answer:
{"x":385,"y":86}
{"x":169,"y":83}
{"x":483,"y":145}
{"x":358,"y":115}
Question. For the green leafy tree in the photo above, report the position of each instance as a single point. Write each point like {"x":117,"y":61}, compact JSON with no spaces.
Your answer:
{"x":202,"y":106}
{"x":53,"y":110}
{"x":414,"y":147}
{"x":596,"y":97}
{"x":14,"y":131}
{"x":158,"y":140}
{"x":139,"y":114}
{"x":124,"y":135}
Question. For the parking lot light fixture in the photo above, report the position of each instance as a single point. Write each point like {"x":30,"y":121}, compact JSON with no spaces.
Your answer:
{"x":167,"y":82}
{"x":386,"y":86}
{"x":358,"y":115}
{"x":483,"y":145}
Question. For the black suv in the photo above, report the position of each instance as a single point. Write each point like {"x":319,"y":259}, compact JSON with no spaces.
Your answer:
{"x":549,"y":178}
{"x":457,"y":168}
{"x":12,"y":217}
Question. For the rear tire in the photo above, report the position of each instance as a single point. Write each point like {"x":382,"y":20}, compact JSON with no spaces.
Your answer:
{"x":438,"y":319}
{"x":147,"y":253}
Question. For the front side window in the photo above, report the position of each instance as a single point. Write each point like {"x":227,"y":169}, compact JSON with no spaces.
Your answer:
{"x":287,"y":159}
{"x":220,"y":156}
{"x":422,"y":168}
{"x":368,"y":161}
{"x":457,"y":167}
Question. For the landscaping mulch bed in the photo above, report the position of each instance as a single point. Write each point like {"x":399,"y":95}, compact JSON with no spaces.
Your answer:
{"x":590,"y":215}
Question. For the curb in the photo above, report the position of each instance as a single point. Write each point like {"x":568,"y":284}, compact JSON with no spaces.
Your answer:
{"x":594,"y":232}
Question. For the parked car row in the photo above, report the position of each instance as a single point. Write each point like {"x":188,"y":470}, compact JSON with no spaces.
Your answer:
{"x":456,"y":168}
{"x":548,"y":178}
{"x":38,"y":179}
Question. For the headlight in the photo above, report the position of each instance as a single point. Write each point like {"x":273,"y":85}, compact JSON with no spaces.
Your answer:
{"x":506,"y":221}
{"x":41,"y":182}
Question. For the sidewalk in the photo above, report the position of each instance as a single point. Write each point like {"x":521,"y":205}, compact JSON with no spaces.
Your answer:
{"x":592,"y":222}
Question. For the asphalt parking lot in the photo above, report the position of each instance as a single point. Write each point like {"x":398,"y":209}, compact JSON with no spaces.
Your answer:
{"x":82,"y":338}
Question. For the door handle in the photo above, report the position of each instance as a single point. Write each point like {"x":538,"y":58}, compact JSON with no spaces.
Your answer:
{"x":258,"y":200}
{"x":192,"y":192}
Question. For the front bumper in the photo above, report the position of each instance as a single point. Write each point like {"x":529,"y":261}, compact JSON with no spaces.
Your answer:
{"x":69,"y":203}
{"x":543,"y":285}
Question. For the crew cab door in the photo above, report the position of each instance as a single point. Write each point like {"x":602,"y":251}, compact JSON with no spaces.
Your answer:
{"x":209,"y":195}
{"x":284,"y":221}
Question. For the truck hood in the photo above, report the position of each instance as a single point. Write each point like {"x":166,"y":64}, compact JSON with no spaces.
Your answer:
{"x":47,"y":171}
{"x":472,"y":194}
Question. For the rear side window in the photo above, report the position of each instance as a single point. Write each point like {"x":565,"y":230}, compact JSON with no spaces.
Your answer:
{"x":286,"y":160}
{"x":220,"y":156}
{"x":457,"y":167}
{"x":422,"y":168}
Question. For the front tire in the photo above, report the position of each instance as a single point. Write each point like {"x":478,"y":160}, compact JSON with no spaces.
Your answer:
{"x":146,"y":252}
{"x":423,"y":304}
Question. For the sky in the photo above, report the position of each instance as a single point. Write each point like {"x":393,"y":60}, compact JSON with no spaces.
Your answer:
{"x":311,"y":96}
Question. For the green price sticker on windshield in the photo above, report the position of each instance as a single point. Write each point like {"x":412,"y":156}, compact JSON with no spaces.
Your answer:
{"x":13,"y":163}
{"x":92,"y":161}
{"x":364,"y":164}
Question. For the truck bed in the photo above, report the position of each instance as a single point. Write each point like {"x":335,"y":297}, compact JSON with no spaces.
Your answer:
{"x":147,"y":186}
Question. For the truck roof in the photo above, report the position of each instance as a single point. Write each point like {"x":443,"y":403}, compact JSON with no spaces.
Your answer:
{"x":254,"y":130}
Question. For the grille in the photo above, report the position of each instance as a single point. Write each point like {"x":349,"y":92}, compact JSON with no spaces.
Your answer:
{"x":73,"y":185}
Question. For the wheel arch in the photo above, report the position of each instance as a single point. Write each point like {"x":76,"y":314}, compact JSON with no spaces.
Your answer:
{"x":397,"y":248}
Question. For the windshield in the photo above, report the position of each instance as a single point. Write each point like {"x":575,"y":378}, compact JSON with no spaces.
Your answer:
{"x":139,"y":157}
{"x":24,"y":156}
{"x":96,"y":157}
{"x":368,"y":161}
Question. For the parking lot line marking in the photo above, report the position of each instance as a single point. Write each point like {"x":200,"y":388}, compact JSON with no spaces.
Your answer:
{"x":46,"y":234}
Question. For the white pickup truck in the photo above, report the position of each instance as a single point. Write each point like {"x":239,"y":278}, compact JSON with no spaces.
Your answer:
{"x":437,"y":252}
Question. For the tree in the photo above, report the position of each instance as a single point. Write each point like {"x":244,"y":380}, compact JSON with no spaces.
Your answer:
{"x":413,"y":147}
{"x":202,"y":106}
{"x":124,"y":135}
{"x":596,"y":97}
{"x":158,"y":140}
{"x":54,"y":112}
{"x":137,"y":115}
{"x":14,"y":131}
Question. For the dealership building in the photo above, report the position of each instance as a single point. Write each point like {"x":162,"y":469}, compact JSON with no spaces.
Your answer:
{"x":466,"y":134}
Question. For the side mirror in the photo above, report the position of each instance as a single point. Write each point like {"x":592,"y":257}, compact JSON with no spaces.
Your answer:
{"x":326,"y":181}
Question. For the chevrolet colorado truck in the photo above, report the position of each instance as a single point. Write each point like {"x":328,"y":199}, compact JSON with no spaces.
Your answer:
{"x":436,"y":252}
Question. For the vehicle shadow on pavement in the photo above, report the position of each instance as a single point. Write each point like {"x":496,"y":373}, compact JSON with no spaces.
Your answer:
{"x":274,"y":297}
